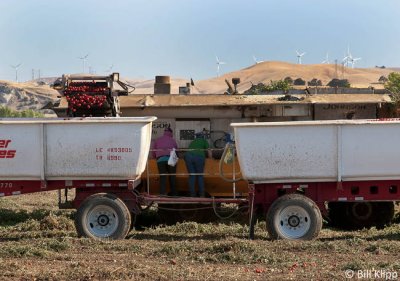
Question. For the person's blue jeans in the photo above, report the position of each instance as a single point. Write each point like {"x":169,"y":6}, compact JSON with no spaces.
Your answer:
{"x":195,"y":165}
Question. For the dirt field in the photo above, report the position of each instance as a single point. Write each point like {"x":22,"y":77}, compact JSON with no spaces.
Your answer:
{"x":38,"y":242}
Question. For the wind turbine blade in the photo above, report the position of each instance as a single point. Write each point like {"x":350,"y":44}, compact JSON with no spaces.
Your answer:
{"x":217,"y":59}
{"x":297,"y":53}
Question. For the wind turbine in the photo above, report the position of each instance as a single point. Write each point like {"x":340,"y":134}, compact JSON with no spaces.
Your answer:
{"x":16,"y":70}
{"x":219,"y":63}
{"x":353,"y":61}
{"x":345,"y":60}
{"x":257,"y":61}
{"x":326,"y":59}
{"x":83,"y":61}
{"x":299,"y":56}
{"x":347,"y":57}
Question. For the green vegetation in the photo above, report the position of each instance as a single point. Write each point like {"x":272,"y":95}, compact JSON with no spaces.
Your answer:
{"x":314,"y":82}
{"x":8,"y":112}
{"x":393,"y":85}
{"x":289,"y":80}
{"x":342,"y":83}
{"x":278,"y":85}
{"x":299,"y":82}
{"x":382,"y":79}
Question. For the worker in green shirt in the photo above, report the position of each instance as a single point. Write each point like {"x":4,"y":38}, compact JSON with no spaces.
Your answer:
{"x":195,"y":160}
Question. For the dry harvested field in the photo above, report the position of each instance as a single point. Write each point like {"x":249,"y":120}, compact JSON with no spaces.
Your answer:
{"x":38,"y":242}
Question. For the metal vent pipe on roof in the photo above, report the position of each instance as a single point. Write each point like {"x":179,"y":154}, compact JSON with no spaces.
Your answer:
{"x":162,"y":85}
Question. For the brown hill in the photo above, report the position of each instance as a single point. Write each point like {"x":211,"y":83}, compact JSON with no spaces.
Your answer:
{"x":32,"y":95}
{"x":28,"y":95}
{"x":271,"y":70}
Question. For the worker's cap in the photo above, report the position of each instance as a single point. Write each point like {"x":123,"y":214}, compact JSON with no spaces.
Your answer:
{"x":200,"y":135}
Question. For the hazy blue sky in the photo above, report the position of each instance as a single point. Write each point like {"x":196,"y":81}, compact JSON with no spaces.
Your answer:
{"x":181,"y":37}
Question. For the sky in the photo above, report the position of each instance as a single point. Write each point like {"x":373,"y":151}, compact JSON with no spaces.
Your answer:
{"x":181,"y":38}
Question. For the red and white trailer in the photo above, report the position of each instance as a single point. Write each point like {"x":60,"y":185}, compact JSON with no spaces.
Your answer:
{"x":102,"y":158}
{"x":297,"y":169}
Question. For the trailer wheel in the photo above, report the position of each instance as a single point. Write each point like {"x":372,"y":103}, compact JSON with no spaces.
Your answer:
{"x":103,"y":216}
{"x":385,"y":213}
{"x":294,"y":217}
{"x":358,"y":215}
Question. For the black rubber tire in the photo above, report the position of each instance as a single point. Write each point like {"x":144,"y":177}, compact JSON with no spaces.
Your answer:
{"x":359,"y":215}
{"x":385,"y":214}
{"x":313,"y":216}
{"x":337,"y":215}
{"x":109,"y":201}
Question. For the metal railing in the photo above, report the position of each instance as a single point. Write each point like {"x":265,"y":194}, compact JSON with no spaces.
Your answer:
{"x":181,"y":152}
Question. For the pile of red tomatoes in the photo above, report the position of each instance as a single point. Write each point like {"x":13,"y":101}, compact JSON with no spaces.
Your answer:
{"x":85,"y":97}
{"x":85,"y":101}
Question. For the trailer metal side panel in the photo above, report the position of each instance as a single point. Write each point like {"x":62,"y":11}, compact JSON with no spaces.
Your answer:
{"x":26,"y":141}
{"x":318,"y":151}
{"x":371,"y":151}
{"x":76,"y":149}
{"x":286,"y":154}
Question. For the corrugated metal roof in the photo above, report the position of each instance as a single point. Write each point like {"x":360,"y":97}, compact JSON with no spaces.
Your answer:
{"x":233,"y":100}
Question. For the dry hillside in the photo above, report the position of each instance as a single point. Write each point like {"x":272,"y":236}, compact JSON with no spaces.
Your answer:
{"x":266,"y":71}
{"x":24,"y":96}
{"x":32,"y":95}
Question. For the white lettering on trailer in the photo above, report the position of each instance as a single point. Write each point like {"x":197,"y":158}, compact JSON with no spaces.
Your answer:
{"x":6,"y":184}
{"x":2,"y":194}
{"x":68,"y":183}
{"x":90,"y":185}
{"x":359,"y":198}
{"x":122,"y":184}
{"x":303,"y":186}
{"x":287,"y":186}
{"x":16,"y":193}
{"x":106,"y":184}
{"x":342,"y":199}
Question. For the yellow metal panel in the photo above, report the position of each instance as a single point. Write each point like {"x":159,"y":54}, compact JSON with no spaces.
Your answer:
{"x":214,"y":184}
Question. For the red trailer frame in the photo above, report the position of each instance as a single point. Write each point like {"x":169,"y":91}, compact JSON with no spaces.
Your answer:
{"x":260,"y":199}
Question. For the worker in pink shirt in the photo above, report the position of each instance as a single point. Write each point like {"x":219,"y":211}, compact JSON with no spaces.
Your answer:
{"x":162,"y":147}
